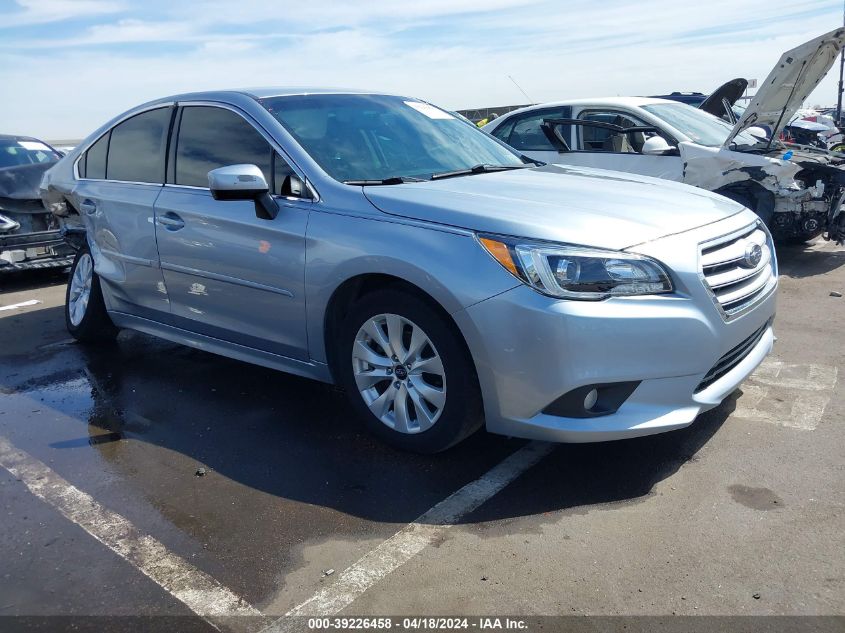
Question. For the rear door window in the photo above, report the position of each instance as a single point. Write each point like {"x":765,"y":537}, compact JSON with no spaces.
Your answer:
{"x":525,"y":133}
{"x":136,"y":150}
{"x":211,"y":137}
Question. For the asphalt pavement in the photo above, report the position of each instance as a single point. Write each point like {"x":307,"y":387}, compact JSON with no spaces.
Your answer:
{"x":132,"y":474}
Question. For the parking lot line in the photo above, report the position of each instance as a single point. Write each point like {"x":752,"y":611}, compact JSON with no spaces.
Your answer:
{"x":22,"y":304}
{"x":197,"y":590}
{"x":413,"y":538}
{"x":788,"y":395}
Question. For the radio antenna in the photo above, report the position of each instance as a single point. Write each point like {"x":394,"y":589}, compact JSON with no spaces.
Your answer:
{"x":520,"y":89}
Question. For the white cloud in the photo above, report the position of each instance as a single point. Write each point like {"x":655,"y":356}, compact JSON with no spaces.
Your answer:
{"x":554,"y":50}
{"x":46,"y":11}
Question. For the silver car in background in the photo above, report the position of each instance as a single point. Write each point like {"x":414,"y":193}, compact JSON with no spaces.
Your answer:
{"x":443,"y":279}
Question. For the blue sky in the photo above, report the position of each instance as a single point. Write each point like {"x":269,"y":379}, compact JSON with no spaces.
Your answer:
{"x":66,"y":66}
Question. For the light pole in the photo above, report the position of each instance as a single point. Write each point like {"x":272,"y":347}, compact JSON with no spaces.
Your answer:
{"x":841,"y":68}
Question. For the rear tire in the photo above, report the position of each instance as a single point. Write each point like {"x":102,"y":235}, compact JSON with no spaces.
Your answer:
{"x":408,"y":373}
{"x":85,"y":311}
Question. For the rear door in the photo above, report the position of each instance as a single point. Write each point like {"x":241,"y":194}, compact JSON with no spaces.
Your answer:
{"x":523,"y":133}
{"x":230,"y":274}
{"x":120,"y":177}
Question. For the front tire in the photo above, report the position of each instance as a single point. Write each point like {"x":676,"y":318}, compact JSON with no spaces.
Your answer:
{"x":407,"y":372}
{"x":85,"y":311}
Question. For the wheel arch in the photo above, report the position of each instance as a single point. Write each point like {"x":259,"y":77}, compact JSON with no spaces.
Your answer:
{"x":358,"y":286}
{"x":762,"y":199}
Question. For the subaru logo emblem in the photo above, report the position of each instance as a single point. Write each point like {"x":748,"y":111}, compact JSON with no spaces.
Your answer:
{"x":753,"y":256}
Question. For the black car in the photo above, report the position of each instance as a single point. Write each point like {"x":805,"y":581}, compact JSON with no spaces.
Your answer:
{"x":30,"y":235}
{"x":694,"y":99}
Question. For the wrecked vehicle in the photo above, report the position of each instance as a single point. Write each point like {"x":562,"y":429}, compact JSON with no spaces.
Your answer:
{"x":797,"y":191}
{"x":30,"y":236}
{"x":806,"y":127}
{"x":801,"y":132}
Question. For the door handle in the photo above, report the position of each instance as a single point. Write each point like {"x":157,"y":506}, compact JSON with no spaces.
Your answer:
{"x":170,"y":221}
{"x":89,"y":207}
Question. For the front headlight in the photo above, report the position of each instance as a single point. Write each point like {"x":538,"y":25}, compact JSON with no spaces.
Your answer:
{"x":574,"y":272}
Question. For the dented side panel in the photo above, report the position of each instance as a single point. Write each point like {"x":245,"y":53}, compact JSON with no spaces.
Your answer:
{"x":805,"y":197}
{"x":715,"y":167}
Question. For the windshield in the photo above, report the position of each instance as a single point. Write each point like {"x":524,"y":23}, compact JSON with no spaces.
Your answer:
{"x":376,"y":137}
{"x":701,"y":127}
{"x":25,"y":152}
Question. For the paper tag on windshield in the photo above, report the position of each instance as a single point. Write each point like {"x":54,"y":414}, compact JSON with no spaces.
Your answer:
{"x":429,"y":110}
{"x":34,"y":146}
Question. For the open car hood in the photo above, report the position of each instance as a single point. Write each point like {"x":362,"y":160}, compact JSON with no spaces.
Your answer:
{"x":730,"y":92}
{"x":789,"y":84}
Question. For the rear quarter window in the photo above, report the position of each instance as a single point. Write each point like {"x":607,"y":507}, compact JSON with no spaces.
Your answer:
{"x":94,"y":162}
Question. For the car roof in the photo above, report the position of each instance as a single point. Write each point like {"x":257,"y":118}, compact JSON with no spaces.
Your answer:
{"x":269,"y":91}
{"x":15,"y":137}
{"x":599,"y":102}
{"x":690,"y":98}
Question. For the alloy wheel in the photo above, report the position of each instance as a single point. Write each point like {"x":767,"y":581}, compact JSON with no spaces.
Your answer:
{"x":399,"y":373}
{"x":80,"y":289}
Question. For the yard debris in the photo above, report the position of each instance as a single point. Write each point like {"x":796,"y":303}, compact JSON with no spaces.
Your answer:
{"x":200,"y":472}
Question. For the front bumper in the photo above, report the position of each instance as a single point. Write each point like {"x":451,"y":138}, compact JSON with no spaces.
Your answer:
{"x":530,"y":350}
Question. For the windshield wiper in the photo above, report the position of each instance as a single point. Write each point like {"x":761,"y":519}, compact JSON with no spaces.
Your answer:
{"x":392,"y":180}
{"x":477,"y":169}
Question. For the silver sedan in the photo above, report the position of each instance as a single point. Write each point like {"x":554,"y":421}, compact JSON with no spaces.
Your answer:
{"x":442,"y":278}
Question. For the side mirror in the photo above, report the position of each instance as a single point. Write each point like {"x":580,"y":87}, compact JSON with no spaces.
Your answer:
{"x":243,"y":182}
{"x":757,"y":132}
{"x":657,"y":146}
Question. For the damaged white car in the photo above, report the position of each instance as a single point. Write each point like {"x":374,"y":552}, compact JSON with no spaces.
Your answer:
{"x":30,"y":236}
{"x":798,"y":191}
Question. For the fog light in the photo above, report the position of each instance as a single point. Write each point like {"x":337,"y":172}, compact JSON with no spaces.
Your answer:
{"x":590,"y":399}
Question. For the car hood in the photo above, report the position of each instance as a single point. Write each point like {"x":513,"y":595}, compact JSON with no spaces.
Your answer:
{"x":19,"y":188}
{"x":575,"y":205}
{"x":808,"y":125}
{"x":790,"y":82}
{"x":730,"y":92}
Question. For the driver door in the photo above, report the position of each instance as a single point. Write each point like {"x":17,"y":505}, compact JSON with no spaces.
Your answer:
{"x":601,"y":148}
{"x":230,"y":274}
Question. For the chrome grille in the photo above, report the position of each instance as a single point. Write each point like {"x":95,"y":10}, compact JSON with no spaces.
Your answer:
{"x":735,"y":282}
{"x":731,"y":359}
